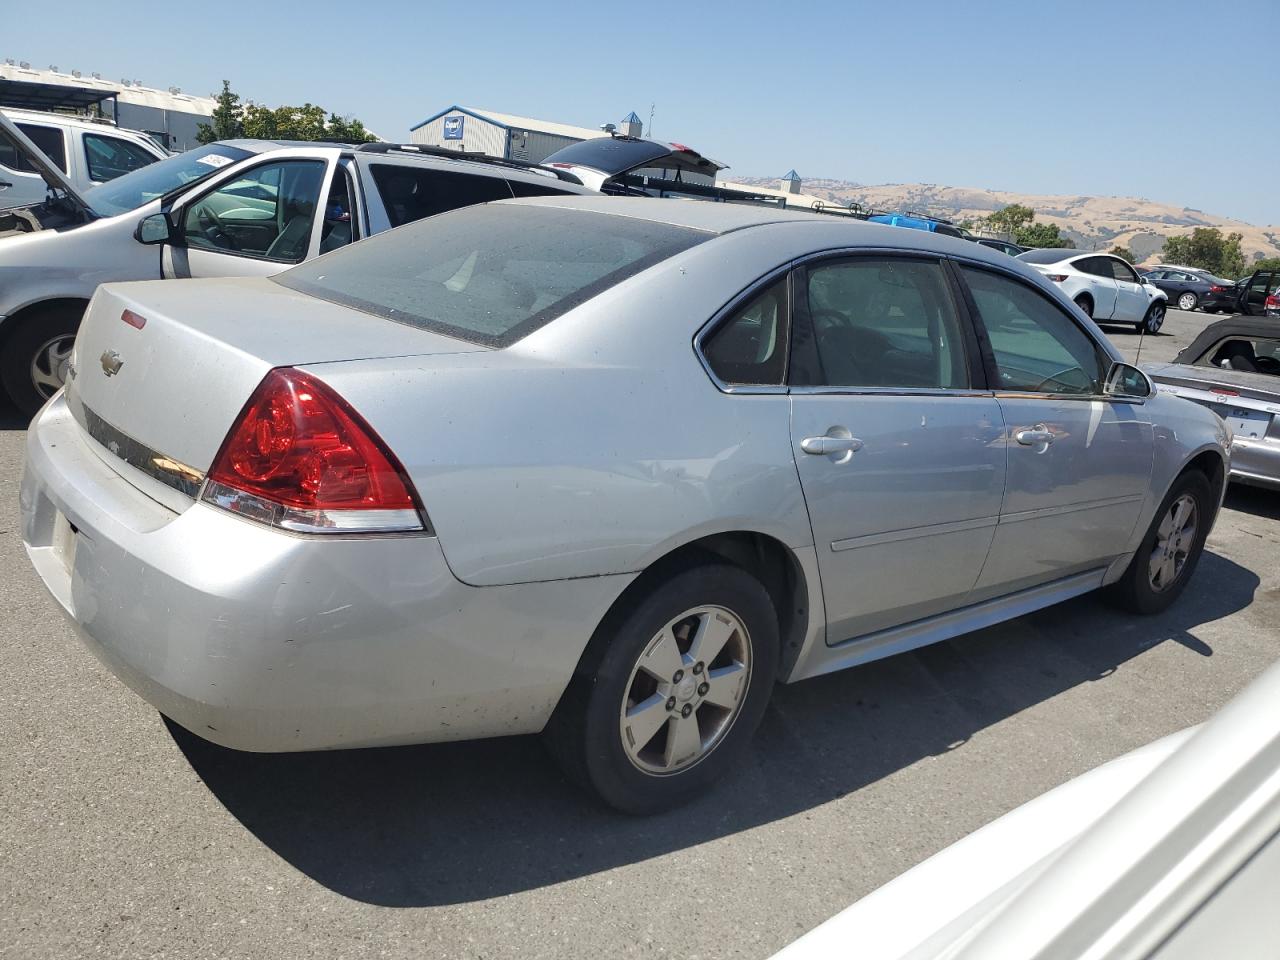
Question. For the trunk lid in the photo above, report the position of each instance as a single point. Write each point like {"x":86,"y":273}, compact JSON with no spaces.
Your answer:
{"x":163,"y":368}
{"x":53,"y":177}
{"x":601,"y":159}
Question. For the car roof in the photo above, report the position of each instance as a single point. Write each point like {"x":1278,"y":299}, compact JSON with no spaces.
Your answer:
{"x":1230,"y":327}
{"x":69,"y":120}
{"x":722,"y":218}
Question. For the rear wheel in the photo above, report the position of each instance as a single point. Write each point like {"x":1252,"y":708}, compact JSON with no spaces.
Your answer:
{"x":680,"y":681}
{"x":1154,"y":319}
{"x":1188,"y":301}
{"x":1169,"y":552}
{"x":1085,"y":303}
{"x":37,"y":353}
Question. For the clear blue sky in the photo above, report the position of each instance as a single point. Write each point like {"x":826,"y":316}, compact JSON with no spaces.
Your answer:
{"x":1173,"y":101}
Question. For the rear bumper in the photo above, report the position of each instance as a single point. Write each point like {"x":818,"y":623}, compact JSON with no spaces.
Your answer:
{"x":265,"y":641}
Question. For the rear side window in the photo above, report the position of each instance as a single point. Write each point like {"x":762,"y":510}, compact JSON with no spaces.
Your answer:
{"x":111,"y":157}
{"x":886,"y":323}
{"x":490,"y":274}
{"x":48,"y":139}
{"x":1248,"y":354}
{"x":522,"y":188}
{"x":750,"y":347}
{"x":411,"y":193}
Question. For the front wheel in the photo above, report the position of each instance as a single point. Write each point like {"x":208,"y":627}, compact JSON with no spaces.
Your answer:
{"x":1154,"y":319}
{"x":681,"y":679}
{"x":1188,"y":301}
{"x":1169,"y":552}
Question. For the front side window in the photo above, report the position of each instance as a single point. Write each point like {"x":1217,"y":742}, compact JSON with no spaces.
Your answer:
{"x":750,"y":346}
{"x":884,"y":322}
{"x":493,"y":273}
{"x":411,"y":193}
{"x":1121,"y":270}
{"x":1037,"y":346}
{"x":266,"y":212}
{"x":111,"y":157}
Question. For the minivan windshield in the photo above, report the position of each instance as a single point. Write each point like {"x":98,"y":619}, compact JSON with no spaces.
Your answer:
{"x":155,"y":180}
{"x":489,"y":274}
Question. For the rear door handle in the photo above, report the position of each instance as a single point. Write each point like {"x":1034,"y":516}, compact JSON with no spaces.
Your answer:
{"x":1034,"y":436}
{"x":820,"y":446}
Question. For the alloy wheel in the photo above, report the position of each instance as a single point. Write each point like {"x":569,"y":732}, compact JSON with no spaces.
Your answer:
{"x":1155,"y":319}
{"x":1187,"y":301}
{"x":686,"y":690}
{"x":49,"y":364}
{"x":1175,"y":537}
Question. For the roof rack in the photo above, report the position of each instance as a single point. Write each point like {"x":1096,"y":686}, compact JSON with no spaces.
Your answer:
{"x":423,"y":149}
{"x":929,"y":216}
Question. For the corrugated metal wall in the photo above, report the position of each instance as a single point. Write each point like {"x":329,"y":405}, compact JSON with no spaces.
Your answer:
{"x":536,"y":147}
{"x":181,"y":127}
{"x":478,"y":136}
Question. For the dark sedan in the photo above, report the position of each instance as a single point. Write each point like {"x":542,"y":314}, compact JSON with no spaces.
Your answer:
{"x":1186,"y":289}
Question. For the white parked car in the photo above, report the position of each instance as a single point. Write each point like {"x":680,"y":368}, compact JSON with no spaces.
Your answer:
{"x":88,"y":152}
{"x":1171,"y":852}
{"x":1106,"y":288}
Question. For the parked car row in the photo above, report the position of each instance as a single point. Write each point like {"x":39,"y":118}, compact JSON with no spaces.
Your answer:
{"x":601,"y":467}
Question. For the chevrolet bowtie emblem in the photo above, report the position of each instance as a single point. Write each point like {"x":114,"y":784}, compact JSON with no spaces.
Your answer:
{"x":111,"y":363}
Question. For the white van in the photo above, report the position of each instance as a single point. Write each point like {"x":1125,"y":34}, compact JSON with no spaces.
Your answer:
{"x":89,"y":152}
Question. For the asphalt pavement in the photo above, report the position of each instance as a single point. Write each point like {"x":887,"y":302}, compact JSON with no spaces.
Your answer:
{"x":121,"y":836}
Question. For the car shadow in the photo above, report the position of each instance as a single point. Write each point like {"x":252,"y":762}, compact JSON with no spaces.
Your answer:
{"x":10,"y":418}
{"x":459,"y":822}
{"x":1256,"y":501}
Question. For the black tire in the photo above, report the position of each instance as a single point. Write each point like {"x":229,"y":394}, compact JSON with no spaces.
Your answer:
{"x":1154,"y":319}
{"x":585,"y":735}
{"x":1085,"y":303}
{"x":1134,"y":591}
{"x":1195,"y":300}
{"x":28,"y":346}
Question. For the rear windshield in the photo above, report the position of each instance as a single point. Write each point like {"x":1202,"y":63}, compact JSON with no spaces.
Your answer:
{"x":611,"y":155}
{"x":489,"y":274}
{"x":1055,"y":255}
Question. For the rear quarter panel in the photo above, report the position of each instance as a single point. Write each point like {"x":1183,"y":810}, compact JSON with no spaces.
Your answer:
{"x":598,"y":443}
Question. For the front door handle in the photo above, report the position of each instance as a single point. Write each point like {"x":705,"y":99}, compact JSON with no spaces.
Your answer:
{"x":820,"y":446}
{"x":1034,"y":436}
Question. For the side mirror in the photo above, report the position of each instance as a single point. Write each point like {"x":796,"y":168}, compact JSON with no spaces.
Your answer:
{"x":1126,"y":380}
{"x":157,"y":228}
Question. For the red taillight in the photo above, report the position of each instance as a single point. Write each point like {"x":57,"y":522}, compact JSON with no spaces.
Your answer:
{"x":1273,"y":301}
{"x":1056,"y":277}
{"x":1216,"y":288}
{"x":135,"y":320}
{"x":1224,"y":392}
{"x":299,"y":457}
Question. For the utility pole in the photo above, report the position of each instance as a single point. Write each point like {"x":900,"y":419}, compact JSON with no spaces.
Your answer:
{"x":650,"y":133}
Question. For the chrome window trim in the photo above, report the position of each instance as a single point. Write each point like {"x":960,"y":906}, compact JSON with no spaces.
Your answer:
{"x":187,"y":480}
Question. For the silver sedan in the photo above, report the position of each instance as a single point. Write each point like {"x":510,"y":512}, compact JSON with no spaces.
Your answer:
{"x":605,"y":468}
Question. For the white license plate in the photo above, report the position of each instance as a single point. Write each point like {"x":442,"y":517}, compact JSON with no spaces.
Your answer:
{"x":1248,"y":424}
{"x":64,"y":541}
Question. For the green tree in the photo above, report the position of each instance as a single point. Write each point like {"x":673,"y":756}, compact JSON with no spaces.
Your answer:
{"x":1207,"y":249}
{"x":1041,"y":235}
{"x":1266,"y":263}
{"x":227,"y":118}
{"x":1011,"y":219}
{"x":307,"y":122}
{"x":1124,"y":253}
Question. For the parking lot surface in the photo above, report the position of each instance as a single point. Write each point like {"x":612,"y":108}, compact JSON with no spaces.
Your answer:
{"x":121,"y":836}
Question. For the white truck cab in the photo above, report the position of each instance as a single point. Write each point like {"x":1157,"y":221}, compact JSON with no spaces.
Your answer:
{"x":88,"y":152}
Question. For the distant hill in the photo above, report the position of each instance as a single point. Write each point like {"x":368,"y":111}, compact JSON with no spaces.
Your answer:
{"x":1092,"y":222}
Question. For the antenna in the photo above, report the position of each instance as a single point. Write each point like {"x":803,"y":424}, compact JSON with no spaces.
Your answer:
{"x":1142,"y":332}
{"x":650,"y":133}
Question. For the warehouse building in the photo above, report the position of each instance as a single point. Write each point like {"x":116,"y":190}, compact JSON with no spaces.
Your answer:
{"x":170,"y":116}
{"x":509,"y":137}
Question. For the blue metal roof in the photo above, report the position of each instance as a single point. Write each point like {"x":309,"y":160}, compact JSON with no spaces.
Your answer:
{"x":631,"y":118}
{"x":791,"y":175}
{"x":457,"y":109}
